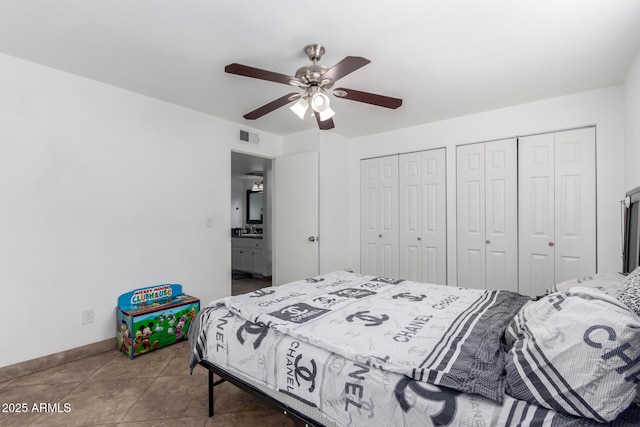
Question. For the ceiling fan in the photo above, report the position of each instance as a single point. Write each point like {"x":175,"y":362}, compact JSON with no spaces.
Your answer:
{"x":315,"y":80}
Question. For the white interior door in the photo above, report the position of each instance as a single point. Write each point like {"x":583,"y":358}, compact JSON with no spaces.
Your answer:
{"x":557,"y":208}
{"x":379,"y":216}
{"x":296,"y":251}
{"x":536,"y":209}
{"x":369,"y":216}
{"x":422,"y":216}
{"x":389,"y":255}
{"x":434,"y":216}
{"x":501,"y":214}
{"x":470,"y":210}
{"x":575,"y":202}
{"x":410,"y":215}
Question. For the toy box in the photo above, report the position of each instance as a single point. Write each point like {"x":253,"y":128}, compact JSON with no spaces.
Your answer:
{"x":153,"y":317}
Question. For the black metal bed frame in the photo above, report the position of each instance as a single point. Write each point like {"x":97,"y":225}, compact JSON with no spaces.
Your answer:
{"x":631,"y":227}
{"x":299,"y":419}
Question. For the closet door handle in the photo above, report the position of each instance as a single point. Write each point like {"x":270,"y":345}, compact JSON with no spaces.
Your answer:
{"x":419,"y":238}
{"x":379,"y":235}
{"x":488,"y":242}
{"x":550,"y":243}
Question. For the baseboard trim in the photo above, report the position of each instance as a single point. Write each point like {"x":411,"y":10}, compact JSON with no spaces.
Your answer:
{"x":20,"y":369}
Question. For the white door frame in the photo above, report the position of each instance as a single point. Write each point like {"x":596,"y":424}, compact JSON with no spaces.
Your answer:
{"x":268,"y":248}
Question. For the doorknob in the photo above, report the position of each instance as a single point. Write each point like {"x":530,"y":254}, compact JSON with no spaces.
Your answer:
{"x":419,"y":238}
{"x":488,"y":242}
{"x":550,"y":243}
{"x":311,"y":239}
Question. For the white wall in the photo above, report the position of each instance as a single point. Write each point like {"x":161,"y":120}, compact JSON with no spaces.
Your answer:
{"x":603,"y":108}
{"x":302,"y":142}
{"x":632,"y":126}
{"x":334,"y":202}
{"x":103,"y":191}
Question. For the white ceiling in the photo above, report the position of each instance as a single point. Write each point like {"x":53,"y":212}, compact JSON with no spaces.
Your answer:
{"x":443,"y":58}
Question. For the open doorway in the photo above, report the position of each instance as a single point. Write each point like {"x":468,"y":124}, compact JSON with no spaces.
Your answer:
{"x":251,"y":222}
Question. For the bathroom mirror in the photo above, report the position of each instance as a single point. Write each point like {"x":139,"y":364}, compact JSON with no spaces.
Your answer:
{"x":254,"y":207}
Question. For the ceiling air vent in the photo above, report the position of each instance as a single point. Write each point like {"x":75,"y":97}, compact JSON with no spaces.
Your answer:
{"x":251,"y":138}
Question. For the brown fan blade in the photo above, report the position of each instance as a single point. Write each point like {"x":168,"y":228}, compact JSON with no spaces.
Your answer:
{"x":258,"y":73}
{"x":368,"y":98}
{"x":273,"y":105}
{"x":324,"y":125}
{"x":347,"y":66}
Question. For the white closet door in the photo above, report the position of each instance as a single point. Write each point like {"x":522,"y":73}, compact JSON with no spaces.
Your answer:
{"x":422,"y":217}
{"x":557,"y":208}
{"x":471,"y":215}
{"x":379,"y":216}
{"x":501,"y":221}
{"x":575,"y":201}
{"x":389,"y":216}
{"x":434,"y":217}
{"x":410,"y":179}
{"x":536,"y":210}
{"x":369,"y":214}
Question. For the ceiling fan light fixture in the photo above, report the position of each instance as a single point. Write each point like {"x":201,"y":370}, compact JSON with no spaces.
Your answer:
{"x":326,"y":114}
{"x":300,"y":108}
{"x":320,"y":102}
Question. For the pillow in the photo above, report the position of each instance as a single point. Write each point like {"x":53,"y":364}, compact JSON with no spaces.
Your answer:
{"x":576,"y":352}
{"x":608,"y":283}
{"x":629,"y":293}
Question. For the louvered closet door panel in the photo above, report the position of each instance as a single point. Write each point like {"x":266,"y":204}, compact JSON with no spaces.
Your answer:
{"x":536,"y":213}
{"x":575,"y":214}
{"x":422,"y":216}
{"x":470,"y":215}
{"x":501,"y":224}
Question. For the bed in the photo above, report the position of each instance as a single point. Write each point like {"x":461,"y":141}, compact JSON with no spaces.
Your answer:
{"x":345,"y":349}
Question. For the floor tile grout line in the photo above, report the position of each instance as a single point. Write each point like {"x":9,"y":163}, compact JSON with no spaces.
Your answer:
{"x":63,"y":399}
{"x":142,"y":393}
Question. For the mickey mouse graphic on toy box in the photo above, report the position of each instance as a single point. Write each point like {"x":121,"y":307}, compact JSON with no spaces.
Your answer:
{"x":157,"y":315}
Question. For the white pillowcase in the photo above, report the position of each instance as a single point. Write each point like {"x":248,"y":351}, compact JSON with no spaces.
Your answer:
{"x":608,"y":283}
{"x":574,"y":352}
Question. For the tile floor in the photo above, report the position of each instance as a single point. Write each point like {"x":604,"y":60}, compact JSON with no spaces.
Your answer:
{"x":155,"y":389}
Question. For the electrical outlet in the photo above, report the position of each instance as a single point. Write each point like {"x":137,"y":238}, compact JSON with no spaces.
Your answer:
{"x":88,"y":316}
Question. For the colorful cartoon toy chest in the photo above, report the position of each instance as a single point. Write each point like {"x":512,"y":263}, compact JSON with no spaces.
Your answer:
{"x":153,"y":317}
